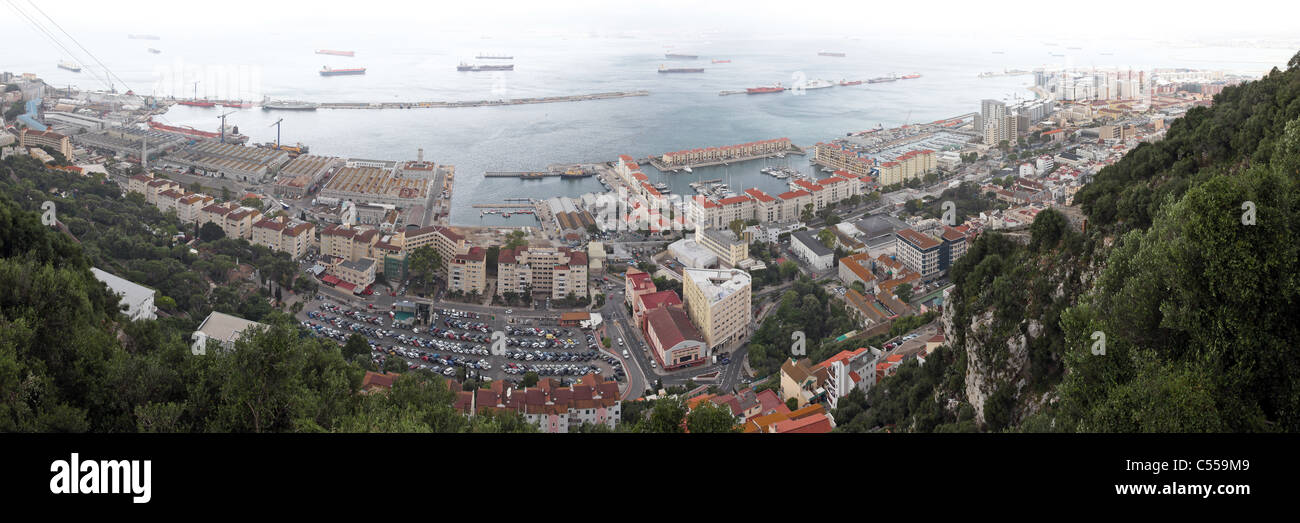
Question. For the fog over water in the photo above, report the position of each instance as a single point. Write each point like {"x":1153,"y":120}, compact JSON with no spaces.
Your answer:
{"x":411,"y":53}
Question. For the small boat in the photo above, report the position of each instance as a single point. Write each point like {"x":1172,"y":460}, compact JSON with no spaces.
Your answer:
{"x":687,"y":169}
{"x":154,"y":51}
{"x":505,"y":215}
{"x":722,"y":61}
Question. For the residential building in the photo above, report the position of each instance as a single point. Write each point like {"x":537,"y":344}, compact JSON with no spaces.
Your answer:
{"x":284,"y":234}
{"x":553,"y":271}
{"x":467,"y":273}
{"x":718,"y":301}
{"x":919,"y":253}
{"x":55,"y":141}
{"x":802,"y":382}
{"x":635,"y":284}
{"x":732,"y":251}
{"x":137,"y":298}
{"x":552,"y":408}
{"x":845,"y":372}
{"x":855,"y":268}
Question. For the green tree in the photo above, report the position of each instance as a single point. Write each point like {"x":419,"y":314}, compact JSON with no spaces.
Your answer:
{"x":827,"y":237}
{"x":666,"y":416}
{"x":424,"y":263}
{"x":356,"y":347}
{"x":904,"y":292}
{"x":792,"y":404}
{"x":709,"y":417}
{"x":530,"y":379}
{"x":211,"y":232}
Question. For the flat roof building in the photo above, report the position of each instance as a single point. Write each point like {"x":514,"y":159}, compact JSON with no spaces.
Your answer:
{"x":226,"y":329}
{"x":137,"y":298}
{"x":719,"y":302}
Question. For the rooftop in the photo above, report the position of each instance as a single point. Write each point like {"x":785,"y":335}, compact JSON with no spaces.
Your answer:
{"x":718,"y":284}
{"x":224,"y":327}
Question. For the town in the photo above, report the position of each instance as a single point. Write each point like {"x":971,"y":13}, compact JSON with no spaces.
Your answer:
{"x":614,"y":300}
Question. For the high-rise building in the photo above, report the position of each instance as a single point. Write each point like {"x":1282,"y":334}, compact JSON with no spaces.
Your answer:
{"x":719,"y":302}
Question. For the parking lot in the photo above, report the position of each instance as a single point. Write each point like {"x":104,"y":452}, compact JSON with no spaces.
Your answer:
{"x":459,"y":339}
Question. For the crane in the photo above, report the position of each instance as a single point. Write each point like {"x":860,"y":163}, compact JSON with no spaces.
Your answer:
{"x":223,"y":125}
{"x":196,"y":91}
{"x":276,"y":125}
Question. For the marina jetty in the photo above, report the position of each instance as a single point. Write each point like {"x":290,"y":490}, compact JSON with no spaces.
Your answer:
{"x":482,"y":103}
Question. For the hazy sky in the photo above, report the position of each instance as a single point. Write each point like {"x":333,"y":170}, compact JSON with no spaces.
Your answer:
{"x":1060,"y":20}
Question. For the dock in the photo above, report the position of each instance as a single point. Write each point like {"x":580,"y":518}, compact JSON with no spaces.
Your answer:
{"x":502,"y":206}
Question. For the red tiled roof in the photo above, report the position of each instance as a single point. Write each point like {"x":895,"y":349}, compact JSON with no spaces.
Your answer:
{"x":671,"y":326}
{"x":733,"y":200}
{"x":759,"y":195}
{"x":654,"y":300}
{"x":920,"y":240}
{"x":790,"y":195}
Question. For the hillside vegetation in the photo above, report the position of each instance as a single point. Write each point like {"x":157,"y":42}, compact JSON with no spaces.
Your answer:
{"x":1196,"y":304}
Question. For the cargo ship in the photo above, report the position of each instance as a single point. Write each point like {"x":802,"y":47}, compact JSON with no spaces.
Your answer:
{"x":880,"y":79}
{"x":911,"y":76}
{"x":236,"y":104}
{"x":760,"y":90}
{"x":493,"y":57}
{"x":142,"y":37}
{"x":154,"y":51}
{"x":70,"y":66}
{"x":836,"y":54}
{"x":196,"y":103}
{"x":327,"y":71}
{"x":335,"y":53}
{"x":663,"y":69}
{"x":289,"y":106}
{"x":467,"y":67}
{"x":850,"y":82}
{"x":722,"y":61}
{"x":680,"y":56}
{"x":191,"y":132}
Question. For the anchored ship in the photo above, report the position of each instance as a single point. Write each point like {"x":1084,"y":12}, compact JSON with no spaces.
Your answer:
{"x":850,"y":82}
{"x":327,"y":71}
{"x":680,"y":56}
{"x":722,"y":61}
{"x":663,"y":69}
{"x":142,"y":37}
{"x":231,"y":137}
{"x":335,"y":53}
{"x":289,"y":106}
{"x":467,"y":67}
{"x":493,"y":57}
{"x":154,"y":51}
{"x":836,"y":54}
{"x":196,"y":103}
{"x":70,"y":66}
{"x":760,"y":90}
{"x":880,"y":79}
{"x":911,"y":76}
{"x":236,"y":104}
